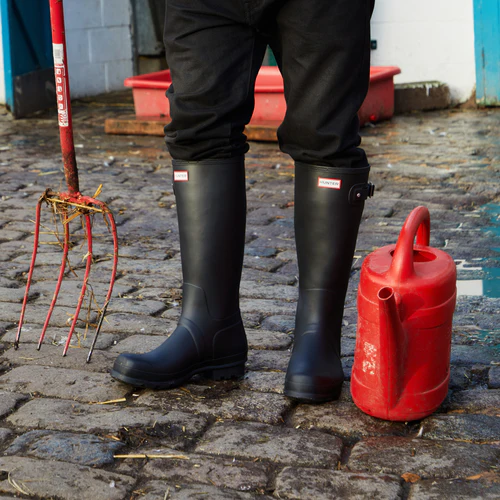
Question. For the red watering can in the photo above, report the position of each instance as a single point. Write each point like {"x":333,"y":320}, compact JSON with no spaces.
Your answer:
{"x":406,"y":299}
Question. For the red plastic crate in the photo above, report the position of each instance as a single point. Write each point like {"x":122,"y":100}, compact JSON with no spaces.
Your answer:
{"x":150,"y":101}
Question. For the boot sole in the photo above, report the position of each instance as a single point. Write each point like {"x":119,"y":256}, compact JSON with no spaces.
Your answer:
{"x":312,"y":397}
{"x":220,"y":372}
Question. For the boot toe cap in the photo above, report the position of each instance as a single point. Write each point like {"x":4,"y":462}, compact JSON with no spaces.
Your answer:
{"x":128,"y":367}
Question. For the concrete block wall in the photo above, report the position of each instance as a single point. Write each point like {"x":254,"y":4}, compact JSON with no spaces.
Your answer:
{"x":428,"y":40}
{"x":99,"y":45}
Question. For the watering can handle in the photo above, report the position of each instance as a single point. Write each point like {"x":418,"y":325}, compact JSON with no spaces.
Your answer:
{"x":418,"y":224}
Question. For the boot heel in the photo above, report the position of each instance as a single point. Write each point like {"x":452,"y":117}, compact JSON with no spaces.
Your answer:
{"x":232,"y":372}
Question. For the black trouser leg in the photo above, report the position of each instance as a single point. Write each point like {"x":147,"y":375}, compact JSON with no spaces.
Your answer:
{"x":214,"y":55}
{"x":323,"y":50}
{"x":328,"y":207}
{"x":214,"y":49}
{"x":209,"y":339}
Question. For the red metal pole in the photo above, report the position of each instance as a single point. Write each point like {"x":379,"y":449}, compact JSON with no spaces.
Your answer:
{"x":63,"y":96}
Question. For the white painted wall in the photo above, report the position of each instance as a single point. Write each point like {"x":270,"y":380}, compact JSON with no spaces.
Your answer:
{"x":428,"y":40}
{"x":99,"y":45}
{"x":2,"y":72}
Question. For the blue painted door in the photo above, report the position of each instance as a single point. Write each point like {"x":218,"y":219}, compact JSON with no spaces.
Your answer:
{"x":487,"y":48}
{"x":27,"y":53}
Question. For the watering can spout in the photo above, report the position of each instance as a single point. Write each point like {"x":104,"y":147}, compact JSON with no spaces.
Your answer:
{"x":393,"y":342}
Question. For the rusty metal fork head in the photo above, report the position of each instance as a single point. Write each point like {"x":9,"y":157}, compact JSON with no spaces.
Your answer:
{"x":69,"y":206}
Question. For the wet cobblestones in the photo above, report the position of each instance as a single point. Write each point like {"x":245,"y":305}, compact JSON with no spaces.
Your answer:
{"x":239,"y":439}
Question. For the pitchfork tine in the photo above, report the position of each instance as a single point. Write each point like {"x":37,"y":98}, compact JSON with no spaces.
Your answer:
{"x":30,"y":273}
{"x":111,"y":284}
{"x":88,"y":228}
{"x":59,"y":279}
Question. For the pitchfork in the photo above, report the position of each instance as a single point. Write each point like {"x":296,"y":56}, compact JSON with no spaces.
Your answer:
{"x":72,"y":203}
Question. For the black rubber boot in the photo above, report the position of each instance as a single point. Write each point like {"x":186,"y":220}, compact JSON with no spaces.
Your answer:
{"x":328,"y":207}
{"x":209,"y":339}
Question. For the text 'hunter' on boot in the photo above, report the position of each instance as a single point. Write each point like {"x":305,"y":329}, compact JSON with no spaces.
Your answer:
{"x":328,"y":207}
{"x":210,"y":338}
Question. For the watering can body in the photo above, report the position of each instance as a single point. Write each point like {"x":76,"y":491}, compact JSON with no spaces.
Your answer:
{"x":406,"y":300}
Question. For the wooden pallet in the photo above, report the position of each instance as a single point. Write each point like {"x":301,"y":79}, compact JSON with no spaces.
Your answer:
{"x":132,"y":125}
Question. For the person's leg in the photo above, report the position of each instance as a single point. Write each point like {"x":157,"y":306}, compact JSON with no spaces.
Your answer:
{"x":323,"y":50}
{"x":214,"y":58}
{"x":214,"y":55}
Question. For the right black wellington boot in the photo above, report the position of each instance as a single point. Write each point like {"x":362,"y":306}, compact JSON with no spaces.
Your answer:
{"x":328,"y":208}
{"x":210,"y":338}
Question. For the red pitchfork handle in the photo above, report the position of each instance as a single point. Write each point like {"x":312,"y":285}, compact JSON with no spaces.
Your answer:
{"x":63,"y":96}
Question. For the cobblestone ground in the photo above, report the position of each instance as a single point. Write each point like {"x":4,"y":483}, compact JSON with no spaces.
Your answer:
{"x":239,"y":439}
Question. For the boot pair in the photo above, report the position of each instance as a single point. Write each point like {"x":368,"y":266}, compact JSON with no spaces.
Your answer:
{"x":210,"y":338}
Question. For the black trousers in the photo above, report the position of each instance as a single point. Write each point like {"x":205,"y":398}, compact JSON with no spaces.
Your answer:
{"x":214,"y":49}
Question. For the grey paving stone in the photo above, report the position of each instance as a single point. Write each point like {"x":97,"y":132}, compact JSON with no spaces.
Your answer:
{"x":261,"y":216}
{"x":260,"y":251}
{"x":267,"y":306}
{"x":58,"y":336}
{"x":344,"y":419}
{"x":80,"y":449}
{"x":257,"y":339}
{"x":460,"y":378}
{"x":287,"y":255}
{"x":485,"y":401}
{"x":139,"y":307}
{"x":221,"y":400}
{"x":348,"y":346}
{"x":347,"y":362}
{"x":264,"y":278}
{"x":137,"y":344}
{"x":262,"y":264}
{"x":299,"y":483}
{"x":8,"y":401}
{"x":152,"y":293}
{"x":477,"y":428}
{"x":36,"y":314}
{"x":50,"y":355}
{"x":131,"y":323}
{"x":168,"y":283}
{"x":78,"y":385}
{"x":471,"y":355}
{"x":279,"y":323}
{"x":264,"y":381}
{"x":281,"y":445}
{"x":206,"y":469}
{"x":159,"y":490}
{"x":11,"y":294}
{"x":4,"y":325}
{"x":5,"y":435}
{"x":454,"y":489}
{"x":70,"y":290}
{"x":34,"y":478}
{"x":494,"y":378}
{"x":268,"y":360}
{"x":174,"y":312}
{"x":173,"y":428}
{"x":426,"y":458}
{"x":266,"y":339}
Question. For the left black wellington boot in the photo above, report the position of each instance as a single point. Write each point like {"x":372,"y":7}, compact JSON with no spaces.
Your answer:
{"x":329,"y":204}
{"x":210,"y":338}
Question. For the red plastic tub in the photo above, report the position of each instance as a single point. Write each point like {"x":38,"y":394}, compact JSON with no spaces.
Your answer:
{"x":150,"y":101}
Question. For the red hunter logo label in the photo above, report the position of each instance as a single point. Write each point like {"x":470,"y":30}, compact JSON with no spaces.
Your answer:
{"x":181,"y":176}
{"x":323,"y":182}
